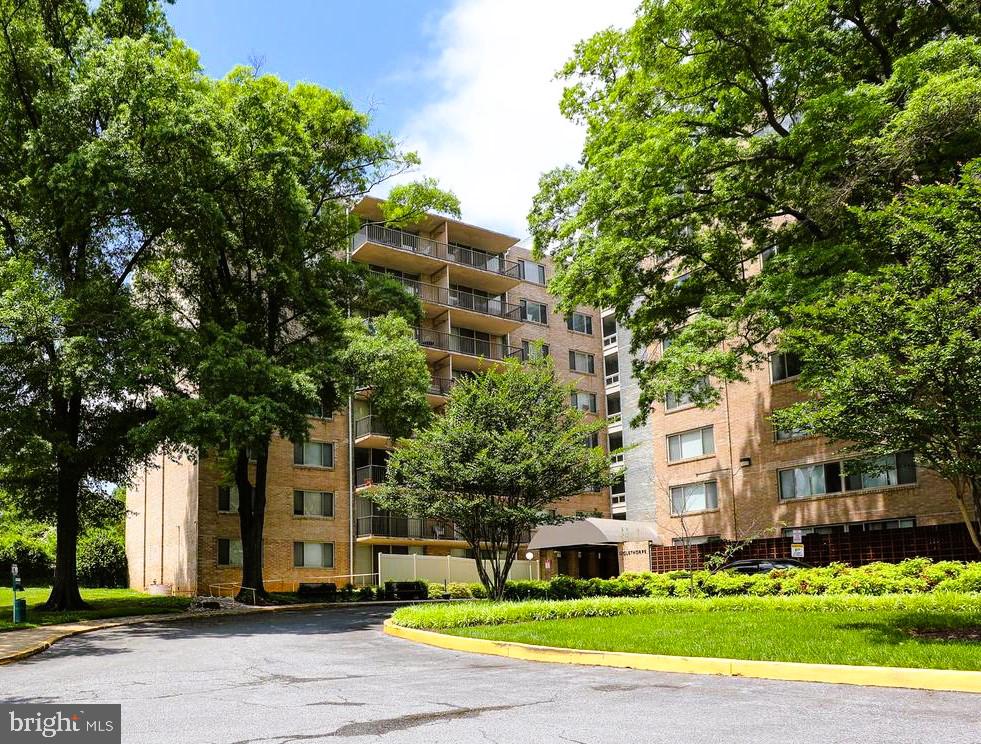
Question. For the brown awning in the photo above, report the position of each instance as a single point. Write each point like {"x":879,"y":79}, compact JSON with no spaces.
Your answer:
{"x":591,"y":531}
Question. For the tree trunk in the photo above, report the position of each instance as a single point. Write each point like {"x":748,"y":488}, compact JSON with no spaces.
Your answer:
{"x":252,"y":517}
{"x":974,"y":525}
{"x":64,"y":592}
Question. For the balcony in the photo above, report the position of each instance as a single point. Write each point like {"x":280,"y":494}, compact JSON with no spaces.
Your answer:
{"x":370,"y":431}
{"x":395,"y":529}
{"x":473,"y":353}
{"x":484,"y":313}
{"x":369,"y":475}
{"x":415,"y":254}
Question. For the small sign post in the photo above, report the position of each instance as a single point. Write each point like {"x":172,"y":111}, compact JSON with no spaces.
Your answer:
{"x":798,"y":535}
{"x":797,"y":550}
{"x":14,"y":571}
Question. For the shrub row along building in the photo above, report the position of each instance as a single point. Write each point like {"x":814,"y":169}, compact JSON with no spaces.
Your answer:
{"x":689,"y":475}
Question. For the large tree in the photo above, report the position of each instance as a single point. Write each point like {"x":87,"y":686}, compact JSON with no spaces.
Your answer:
{"x":264,"y":282}
{"x":893,"y":358}
{"x":102,"y":127}
{"x":722,"y":131}
{"x":507,"y":447}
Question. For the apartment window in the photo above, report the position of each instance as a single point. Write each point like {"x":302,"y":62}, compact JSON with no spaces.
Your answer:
{"x":320,"y":411}
{"x":694,"y":443}
{"x":313,"y":504}
{"x":890,"y":470}
{"x":580,"y":323}
{"x":534,"y":312}
{"x":592,"y":440}
{"x":810,"y":480}
{"x":787,"y":435}
{"x":534,"y":349}
{"x":313,"y":454}
{"x":580,"y":361}
{"x":826,"y":478}
{"x":584,"y":401}
{"x":694,"y":497}
{"x":228,"y":498}
{"x":783,"y":366}
{"x":695,"y":540}
{"x":834,"y":529}
{"x":532,"y":272}
{"x":313,"y":554}
{"x":679,"y":400}
{"x":229,"y":552}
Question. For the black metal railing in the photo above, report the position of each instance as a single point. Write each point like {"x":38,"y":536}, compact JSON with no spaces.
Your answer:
{"x":465,"y":345}
{"x":459,"y":298}
{"x":409,"y":527}
{"x":440,"y":385}
{"x":369,"y":475}
{"x":369,"y":425}
{"x":406,"y":241}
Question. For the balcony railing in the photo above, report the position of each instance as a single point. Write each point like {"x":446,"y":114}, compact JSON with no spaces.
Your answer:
{"x":409,"y":527}
{"x":460,"y":299}
{"x":614,"y":418}
{"x":440,"y":385}
{"x":609,"y":340}
{"x":613,"y":379}
{"x":369,"y":475}
{"x":464,"y":345}
{"x":368,"y":426}
{"x":421,"y":246}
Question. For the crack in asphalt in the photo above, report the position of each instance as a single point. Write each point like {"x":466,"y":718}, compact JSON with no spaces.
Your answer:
{"x":381,"y":726}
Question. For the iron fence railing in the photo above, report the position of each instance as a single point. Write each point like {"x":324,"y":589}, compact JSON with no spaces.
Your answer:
{"x":369,"y":475}
{"x":459,"y":299}
{"x":369,"y":425}
{"x":458,"y":254}
{"x":466,"y":345}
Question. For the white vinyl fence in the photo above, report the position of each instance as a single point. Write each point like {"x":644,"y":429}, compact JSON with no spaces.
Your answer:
{"x":439,"y":569}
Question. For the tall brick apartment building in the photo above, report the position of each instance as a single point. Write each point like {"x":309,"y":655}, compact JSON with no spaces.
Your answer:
{"x":484,"y":300}
{"x":725,"y":472}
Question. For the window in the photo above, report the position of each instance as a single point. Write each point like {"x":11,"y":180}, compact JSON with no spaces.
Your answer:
{"x":532,"y":272}
{"x":534,"y":349}
{"x":592,"y":440}
{"x":584,"y":401}
{"x":534,"y":312}
{"x":320,"y":411}
{"x":832,"y":529}
{"x":694,"y":497}
{"x":810,"y":480}
{"x":768,"y":253}
{"x":228,"y":498}
{"x":677,"y":400}
{"x":229,"y":552}
{"x":786,"y":435}
{"x":308,"y":554}
{"x":694,"y":443}
{"x":830,"y":477}
{"x":891,"y":470}
{"x":313,"y":504}
{"x":695,"y":540}
{"x":783,"y":366}
{"x":580,"y":361}
{"x":313,"y":454}
{"x":580,"y":323}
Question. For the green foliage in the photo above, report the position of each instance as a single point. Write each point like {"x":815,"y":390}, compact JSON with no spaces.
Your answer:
{"x":29,"y":544}
{"x":457,"y":590}
{"x":507,"y":447}
{"x":719,"y":129}
{"x":406,"y":203}
{"x":102,"y":559}
{"x":469,"y":614}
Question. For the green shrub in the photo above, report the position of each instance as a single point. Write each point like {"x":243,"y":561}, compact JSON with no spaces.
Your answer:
{"x":364,"y":593}
{"x":31,"y":545}
{"x":102,"y":559}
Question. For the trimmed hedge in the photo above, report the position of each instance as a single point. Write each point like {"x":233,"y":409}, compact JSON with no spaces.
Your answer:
{"x":912,"y":576}
{"x":441,"y":616}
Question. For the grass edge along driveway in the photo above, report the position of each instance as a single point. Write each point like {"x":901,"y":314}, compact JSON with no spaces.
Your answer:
{"x":926,"y":631}
{"x":106,"y":603}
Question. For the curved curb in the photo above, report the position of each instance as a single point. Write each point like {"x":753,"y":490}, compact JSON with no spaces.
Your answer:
{"x":67,"y":630}
{"x":949,"y":680}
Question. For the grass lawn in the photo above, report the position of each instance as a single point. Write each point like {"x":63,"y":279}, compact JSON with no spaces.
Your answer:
{"x":104,"y":602}
{"x":878,"y":631}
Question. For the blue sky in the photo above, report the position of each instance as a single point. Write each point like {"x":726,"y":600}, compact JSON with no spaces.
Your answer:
{"x":468,"y":84}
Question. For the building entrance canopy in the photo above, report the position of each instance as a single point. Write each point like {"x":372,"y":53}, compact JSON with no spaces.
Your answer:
{"x":591,"y":531}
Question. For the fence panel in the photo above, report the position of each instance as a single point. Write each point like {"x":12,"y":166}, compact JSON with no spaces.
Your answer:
{"x":442,"y":568}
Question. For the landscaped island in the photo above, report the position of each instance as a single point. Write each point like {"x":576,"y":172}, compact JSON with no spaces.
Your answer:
{"x":939,"y":631}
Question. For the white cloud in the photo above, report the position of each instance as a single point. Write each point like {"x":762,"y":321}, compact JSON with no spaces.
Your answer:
{"x":492,"y":124}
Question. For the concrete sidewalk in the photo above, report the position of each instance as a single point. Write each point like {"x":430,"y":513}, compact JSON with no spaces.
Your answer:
{"x":19,"y":644}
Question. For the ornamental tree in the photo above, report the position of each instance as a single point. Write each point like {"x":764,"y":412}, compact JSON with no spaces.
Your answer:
{"x":719,"y":132}
{"x":103,"y":129}
{"x":893,"y":357}
{"x":507,"y":447}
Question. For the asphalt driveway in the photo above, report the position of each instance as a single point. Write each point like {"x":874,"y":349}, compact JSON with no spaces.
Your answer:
{"x":332,"y":674}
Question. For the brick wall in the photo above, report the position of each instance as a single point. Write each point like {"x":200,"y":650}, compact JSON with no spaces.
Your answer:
{"x":939,"y":542}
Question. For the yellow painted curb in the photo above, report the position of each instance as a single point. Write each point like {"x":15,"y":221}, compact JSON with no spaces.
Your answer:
{"x":950,"y":680}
